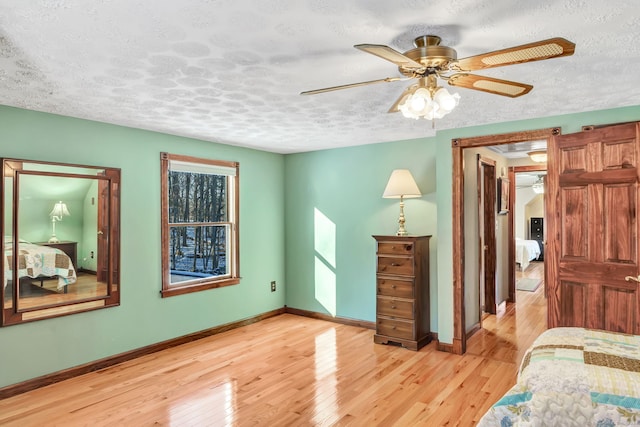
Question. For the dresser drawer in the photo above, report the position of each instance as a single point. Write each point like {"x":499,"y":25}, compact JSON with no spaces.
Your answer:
{"x":395,"y":288}
{"x":395,"y":248}
{"x":396,"y":328}
{"x":395,"y":307}
{"x":395,"y":265}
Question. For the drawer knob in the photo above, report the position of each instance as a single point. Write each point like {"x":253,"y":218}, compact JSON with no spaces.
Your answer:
{"x":393,"y":286}
{"x":393,"y":327}
{"x":393,"y":306}
{"x":395,"y":264}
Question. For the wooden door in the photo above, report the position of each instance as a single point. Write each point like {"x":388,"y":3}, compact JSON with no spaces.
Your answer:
{"x":592,"y":230}
{"x":488,"y":234}
{"x":103,"y":230}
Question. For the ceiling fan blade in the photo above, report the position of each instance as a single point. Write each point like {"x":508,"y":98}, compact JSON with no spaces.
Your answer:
{"x":332,"y":88}
{"x":385,"y":52}
{"x":537,"y":51}
{"x":489,"y":84}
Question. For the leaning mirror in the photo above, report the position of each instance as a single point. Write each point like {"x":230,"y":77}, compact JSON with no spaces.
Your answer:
{"x":61,"y":239}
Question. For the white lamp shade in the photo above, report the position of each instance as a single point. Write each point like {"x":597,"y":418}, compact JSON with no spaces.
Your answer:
{"x":401,"y":184}
{"x":59,"y":210}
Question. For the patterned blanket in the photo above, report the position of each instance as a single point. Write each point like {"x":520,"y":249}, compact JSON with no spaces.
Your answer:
{"x":36,"y":260}
{"x":574,"y":377}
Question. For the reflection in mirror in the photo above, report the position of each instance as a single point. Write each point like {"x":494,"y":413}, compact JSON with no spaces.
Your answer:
{"x":61,"y":235}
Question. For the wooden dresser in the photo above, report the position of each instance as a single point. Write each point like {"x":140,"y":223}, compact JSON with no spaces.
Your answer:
{"x":402,"y":291}
{"x":536,"y":232}
{"x":69,"y":248}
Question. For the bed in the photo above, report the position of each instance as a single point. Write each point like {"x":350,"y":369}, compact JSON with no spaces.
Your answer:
{"x":574,"y":377}
{"x":36,"y":261}
{"x":526,"y":251}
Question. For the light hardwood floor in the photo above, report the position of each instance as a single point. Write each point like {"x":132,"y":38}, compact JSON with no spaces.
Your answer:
{"x":292,"y":370}
{"x":85,"y":286}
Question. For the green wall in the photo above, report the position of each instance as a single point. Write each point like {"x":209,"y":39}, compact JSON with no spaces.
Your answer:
{"x":33,"y":349}
{"x":346,"y":185}
{"x":317,"y":211}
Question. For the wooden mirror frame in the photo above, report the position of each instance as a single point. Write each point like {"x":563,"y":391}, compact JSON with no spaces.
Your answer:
{"x":107,"y":240}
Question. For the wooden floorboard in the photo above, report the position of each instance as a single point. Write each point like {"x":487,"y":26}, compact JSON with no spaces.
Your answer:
{"x":297,"y":371}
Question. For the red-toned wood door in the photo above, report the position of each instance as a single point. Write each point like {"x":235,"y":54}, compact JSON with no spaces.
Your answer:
{"x":103,"y":230}
{"x":592,"y":202}
{"x":487,"y":227}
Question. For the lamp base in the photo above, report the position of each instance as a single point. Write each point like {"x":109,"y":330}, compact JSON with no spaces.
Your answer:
{"x":54,"y":239}
{"x":401,"y":230}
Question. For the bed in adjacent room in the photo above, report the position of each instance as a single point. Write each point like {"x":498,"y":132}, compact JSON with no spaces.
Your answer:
{"x":36,"y":261}
{"x":526,"y":251}
{"x":574,"y":377}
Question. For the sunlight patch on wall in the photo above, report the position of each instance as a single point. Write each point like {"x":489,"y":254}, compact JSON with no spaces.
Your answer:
{"x":324,"y":244}
{"x":325,"y":286}
{"x":324,"y":241}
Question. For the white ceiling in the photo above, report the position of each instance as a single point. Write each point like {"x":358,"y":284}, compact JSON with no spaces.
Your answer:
{"x":231,"y":71}
{"x":519,"y":150}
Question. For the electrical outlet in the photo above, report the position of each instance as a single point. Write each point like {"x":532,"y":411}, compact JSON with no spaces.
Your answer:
{"x":273,"y":286}
{"x":91,"y":254}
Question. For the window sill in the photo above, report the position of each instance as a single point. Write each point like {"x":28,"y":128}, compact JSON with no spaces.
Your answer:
{"x":181,"y":290}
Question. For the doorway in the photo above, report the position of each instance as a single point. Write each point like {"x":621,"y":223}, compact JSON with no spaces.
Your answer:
{"x":458,"y":147}
{"x":527,"y":226}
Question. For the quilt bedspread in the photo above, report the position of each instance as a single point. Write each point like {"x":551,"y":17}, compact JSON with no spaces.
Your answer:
{"x":574,"y":377}
{"x":35,"y":260}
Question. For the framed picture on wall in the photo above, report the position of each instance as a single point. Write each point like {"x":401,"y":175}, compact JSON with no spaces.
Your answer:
{"x":503,"y":196}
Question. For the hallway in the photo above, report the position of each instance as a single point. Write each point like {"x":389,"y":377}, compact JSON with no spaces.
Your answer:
{"x":506,"y":336}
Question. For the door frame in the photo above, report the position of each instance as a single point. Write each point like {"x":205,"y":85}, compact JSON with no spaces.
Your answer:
{"x":459,"y":345}
{"x":513,"y":170}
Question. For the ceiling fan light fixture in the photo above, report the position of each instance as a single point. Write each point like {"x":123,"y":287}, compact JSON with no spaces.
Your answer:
{"x":538,"y":156}
{"x":422,"y":102}
{"x":538,"y":187}
{"x":446,"y":100}
{"x":419,"y":103}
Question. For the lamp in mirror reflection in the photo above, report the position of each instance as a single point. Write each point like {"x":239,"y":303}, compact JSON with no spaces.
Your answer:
{"x":427,"y":100}
{"x":401,"y":184}
{"x":538,"y":186}
{"x":58,"y":212}
{"x":538,"y":156}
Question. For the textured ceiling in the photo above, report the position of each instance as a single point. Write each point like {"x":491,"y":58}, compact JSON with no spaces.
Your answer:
{"x":232,"y":71}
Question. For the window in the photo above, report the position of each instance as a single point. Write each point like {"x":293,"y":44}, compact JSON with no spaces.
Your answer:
{"x":199,"y":224}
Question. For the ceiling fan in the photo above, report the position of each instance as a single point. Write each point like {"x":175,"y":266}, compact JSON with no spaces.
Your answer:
{"x":429,"y":61}
{"x":533,"y":181}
